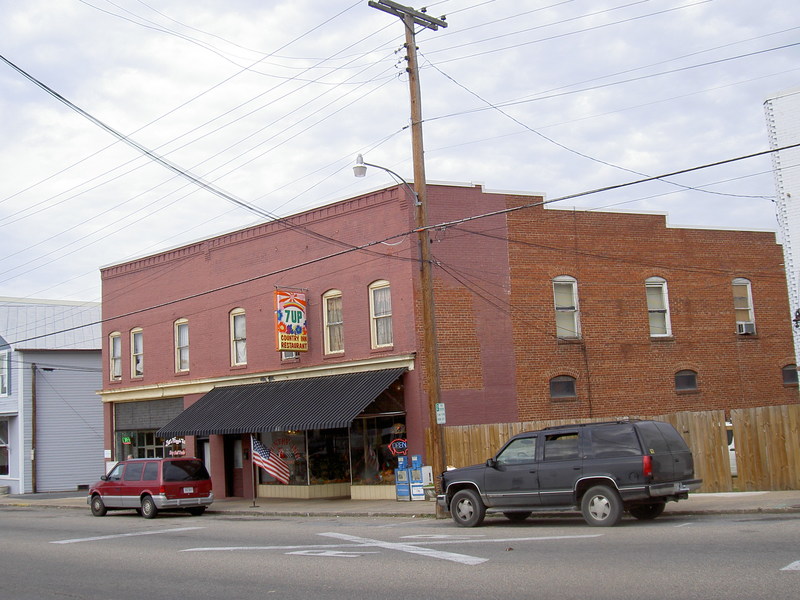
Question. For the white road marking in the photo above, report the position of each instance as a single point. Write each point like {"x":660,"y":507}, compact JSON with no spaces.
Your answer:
{"x":358,"y":543}
{"x":336,"y":553}
{"x":795,"y":566}
{"x":411,"y":549}
{"x":121,"y":535}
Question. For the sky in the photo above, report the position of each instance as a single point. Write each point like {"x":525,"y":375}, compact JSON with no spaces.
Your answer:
{"x":270,"y":102}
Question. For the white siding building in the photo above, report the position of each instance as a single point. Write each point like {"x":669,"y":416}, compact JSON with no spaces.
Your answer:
{"x":783,"y":124}
{"x":51,"y":419}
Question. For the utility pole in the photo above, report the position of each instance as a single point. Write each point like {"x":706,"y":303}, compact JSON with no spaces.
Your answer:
{"x":410,"y":18}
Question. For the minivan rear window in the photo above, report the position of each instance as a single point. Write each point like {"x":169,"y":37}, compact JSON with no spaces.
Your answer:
{"x":615,"y":440}
{"x":184,"y":470}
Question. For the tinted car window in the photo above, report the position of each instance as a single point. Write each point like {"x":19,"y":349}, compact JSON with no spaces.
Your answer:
{"x":561,"y":446}
{"x":520,"y":450}
{"x":653,"y":440}
{"x":184,"y":470}
{"x":675,"y":442}
{"x":133,"y":471}
{"x":150,"y":471}
{"x":617,"y":440}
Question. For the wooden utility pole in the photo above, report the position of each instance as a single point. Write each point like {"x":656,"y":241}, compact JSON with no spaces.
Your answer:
{"x":410,"y":18}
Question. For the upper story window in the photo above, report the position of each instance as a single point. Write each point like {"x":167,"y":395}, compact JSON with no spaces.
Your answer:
{"x":565,"y":296}
{"x":115,"y":356}
{"x":238,"y":327}
{"x":137,"y":352}
{"x":4,"y":373}
{"x":789,"y":373}
{"x":743,"y":306}
{"x":380,"y":308}
{"x":563,"y":387}
{"x":181,"y":345}
{"x":685,"y":381}
{"x":333,"y":321}
{"x":289,"y":355}
{"x":658,"y":307}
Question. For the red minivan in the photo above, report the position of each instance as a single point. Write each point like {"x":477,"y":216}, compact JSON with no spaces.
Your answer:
{"x":151,"y":485}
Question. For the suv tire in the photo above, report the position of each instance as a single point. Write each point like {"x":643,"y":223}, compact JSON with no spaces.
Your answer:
{"x":601,"y":506}
{"x":467,"y":508}
{"x":149,"y":509}
{"x":647,"y":512}
{"x":98,"y":508}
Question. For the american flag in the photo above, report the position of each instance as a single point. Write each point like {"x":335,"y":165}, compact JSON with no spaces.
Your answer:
{"x":269,"y":461}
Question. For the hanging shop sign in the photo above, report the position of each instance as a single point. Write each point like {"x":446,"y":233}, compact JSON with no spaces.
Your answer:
{"x":176,"y":446}
{"x":291,"y":333}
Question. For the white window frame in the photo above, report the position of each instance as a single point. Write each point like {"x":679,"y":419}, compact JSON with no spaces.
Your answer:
{"x":238,"y":344}
{"x":182,"y":346}
{"x":137,"y":353}
{"x":5,"y":373}
{"x":115,"y":356}
{"x":568,"y":322}
{"x":658,"y":312}
{"x":380,"y":321}
{"x":333,"y":330}
{"x":743,"y":306}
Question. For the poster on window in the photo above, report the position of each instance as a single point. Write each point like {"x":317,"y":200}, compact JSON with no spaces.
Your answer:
{"x":291,"y":333}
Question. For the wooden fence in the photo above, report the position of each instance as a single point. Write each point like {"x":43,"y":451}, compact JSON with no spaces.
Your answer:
{"x":766,"y":442}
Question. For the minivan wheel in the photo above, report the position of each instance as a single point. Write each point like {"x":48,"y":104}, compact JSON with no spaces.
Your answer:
{"x":601,"y":506}
{"x":196,"y":511}
{"x":647,"y":512}
{"x":149,"y":509}
{"x":467,"y":508}
{"x":98,"y":508}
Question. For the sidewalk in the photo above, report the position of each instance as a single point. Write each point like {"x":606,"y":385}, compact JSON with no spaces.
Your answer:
{"x":697,"y":504}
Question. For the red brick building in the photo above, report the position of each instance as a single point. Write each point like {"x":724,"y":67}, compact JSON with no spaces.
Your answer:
{"x":540,"y":314}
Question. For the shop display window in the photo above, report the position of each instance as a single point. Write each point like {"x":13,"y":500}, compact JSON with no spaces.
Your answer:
{"x":376,"y":442}
{"x":138,"y":444}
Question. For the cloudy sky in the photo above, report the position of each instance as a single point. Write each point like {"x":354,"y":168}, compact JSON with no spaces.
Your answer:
{"x":271,"y":101}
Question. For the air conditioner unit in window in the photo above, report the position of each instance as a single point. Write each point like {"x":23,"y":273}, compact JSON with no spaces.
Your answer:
{"x":745,"y":328}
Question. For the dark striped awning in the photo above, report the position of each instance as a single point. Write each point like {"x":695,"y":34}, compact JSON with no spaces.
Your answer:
{"x":301,"y":404}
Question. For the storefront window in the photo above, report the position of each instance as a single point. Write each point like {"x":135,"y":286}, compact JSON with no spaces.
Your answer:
{"x":286,"y":448}
{"x":328,"y":456}
{"x":138,"y":444}
{"x":375,"y":444}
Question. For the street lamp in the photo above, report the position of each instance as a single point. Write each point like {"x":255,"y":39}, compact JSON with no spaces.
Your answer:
{"x":360,"y":170}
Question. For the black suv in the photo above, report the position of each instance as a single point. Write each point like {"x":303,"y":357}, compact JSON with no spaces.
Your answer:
{"x":600,"y":469}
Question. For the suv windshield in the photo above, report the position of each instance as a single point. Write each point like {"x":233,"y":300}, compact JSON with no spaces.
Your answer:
{"x":184,"y":470}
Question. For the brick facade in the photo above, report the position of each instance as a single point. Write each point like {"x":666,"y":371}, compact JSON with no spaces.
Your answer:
{"x":494,"y":307}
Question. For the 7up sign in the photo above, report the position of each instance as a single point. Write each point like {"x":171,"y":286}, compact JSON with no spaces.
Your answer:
{"x":291,"y":333}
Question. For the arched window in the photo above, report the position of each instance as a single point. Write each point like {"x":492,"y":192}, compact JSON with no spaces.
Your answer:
{"x":380,"y":308}
{"x":743,"y":306}
{"x":181,"y":345}
{"x":658,"y":307}
{"x":137,"y":352}
{"x":562,"y":387}
{"x":115,"y":355}
{"x":238,"y":328}
{"x":565,"y":297}
{"x":685,"y":381}
{"x":789,"y":373}
{"x":333,"y":321}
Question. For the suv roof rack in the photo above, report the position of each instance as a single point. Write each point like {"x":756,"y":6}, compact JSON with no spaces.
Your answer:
{"x":592,"y":423}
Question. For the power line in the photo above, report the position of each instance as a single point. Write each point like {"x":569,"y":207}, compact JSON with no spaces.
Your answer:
{"x":443,"y":225}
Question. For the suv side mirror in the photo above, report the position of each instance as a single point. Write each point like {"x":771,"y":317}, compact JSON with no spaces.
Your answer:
{"x":103,"y":477}
{"x":491,"y":463}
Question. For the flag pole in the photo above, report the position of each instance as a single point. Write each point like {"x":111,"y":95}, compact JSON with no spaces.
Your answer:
{"x":254,"y":473}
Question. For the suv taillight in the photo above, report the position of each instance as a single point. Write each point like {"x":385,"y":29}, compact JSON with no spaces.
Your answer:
{"x":647,"y":466}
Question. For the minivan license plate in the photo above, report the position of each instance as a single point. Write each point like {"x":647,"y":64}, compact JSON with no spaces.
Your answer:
{"x":188,"y":490}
